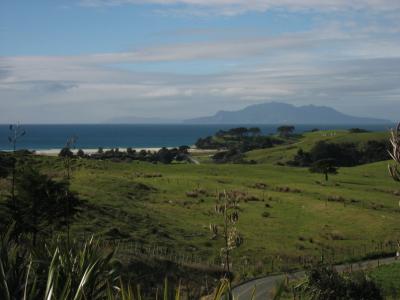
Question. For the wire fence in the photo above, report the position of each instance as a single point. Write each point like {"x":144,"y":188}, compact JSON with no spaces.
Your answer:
{"x":128,"y":249}
{"x":253,"y":265}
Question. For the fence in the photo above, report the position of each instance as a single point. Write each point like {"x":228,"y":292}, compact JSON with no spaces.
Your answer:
{"x":248,"y":266}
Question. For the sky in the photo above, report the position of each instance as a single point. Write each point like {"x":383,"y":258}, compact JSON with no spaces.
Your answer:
{"x":91,"y":61}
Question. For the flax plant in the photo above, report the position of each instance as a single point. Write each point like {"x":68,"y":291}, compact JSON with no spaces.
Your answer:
{"x":76,"y":271}
{"x":227,"y":206}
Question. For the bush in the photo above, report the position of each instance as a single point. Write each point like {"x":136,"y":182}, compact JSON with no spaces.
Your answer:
{"x":41,"y":204}
{"x":265,"y":214}
{"x":6,"y":164}
{"x":66,"y":152}
{"x":233,"y":155}
{"x":80,"y":153}
{"x":325,"y":283}
{"x":357,"y":130}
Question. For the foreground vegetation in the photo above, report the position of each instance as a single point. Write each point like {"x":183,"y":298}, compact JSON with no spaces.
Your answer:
{"x":61,"y":270}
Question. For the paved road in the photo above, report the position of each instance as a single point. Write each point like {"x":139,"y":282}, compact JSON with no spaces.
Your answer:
{"x":264,"y":286}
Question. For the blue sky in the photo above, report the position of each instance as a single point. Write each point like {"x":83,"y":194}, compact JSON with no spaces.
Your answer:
{"x":90,"y":61}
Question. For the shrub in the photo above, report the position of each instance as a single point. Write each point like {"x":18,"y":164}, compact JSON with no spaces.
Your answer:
{"x":80,"y":153}
{"x":325,"y":283}
{"x":66,"y":152}
{"x":265,"y":214}
{"x":358,"y":130}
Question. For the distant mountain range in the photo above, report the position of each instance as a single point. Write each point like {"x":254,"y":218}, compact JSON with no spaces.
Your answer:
{"x":282,"y":113}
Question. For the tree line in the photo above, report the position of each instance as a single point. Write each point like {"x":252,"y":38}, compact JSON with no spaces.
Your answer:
{"x":164,"y":155}
{"x":343,"y":154}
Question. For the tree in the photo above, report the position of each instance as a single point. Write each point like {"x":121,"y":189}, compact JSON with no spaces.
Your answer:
{"x":240,"y":131}
{"x":255,"y":131}
{"x":344,"y":154}
{"x":357,"y":130}
{"x":165,"y":156}
{"x":80,"y":153}
{"x":6,"y":165}
{"x":184,"y":149}
{"x":374,"y":151}
{"x":66,"y":152}
{"x":41,"y":203}
{"x":301,"y":159}
{"x":130,"y":151}
{"x":16,"y":132}
{"x":324,"y":166}
{"x":285,"y":130}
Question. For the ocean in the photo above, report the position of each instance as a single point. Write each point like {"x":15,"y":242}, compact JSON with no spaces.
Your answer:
{"x":45,"y":137}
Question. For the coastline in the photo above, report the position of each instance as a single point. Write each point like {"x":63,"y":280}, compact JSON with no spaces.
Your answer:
{"x":55,"y":152}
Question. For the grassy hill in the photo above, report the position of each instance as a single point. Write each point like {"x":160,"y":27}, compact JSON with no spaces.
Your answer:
{"x":290,"y":215}
{"x":286,"y":152}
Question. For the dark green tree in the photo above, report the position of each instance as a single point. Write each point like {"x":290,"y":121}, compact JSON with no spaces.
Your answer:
{"x":165,"y":156}
{"x":66,"y":152}
{"x":16,"y":132}
{"x":240,"y":131}
{"x":6,"y":165}
{"x":301,"y":159}
{"x":324,"y":166}
{"x":184,"y":148}
{"x":255,"y":131}
{"x":285,"y":130}
{"x":80,"y":153}
{"x":130,"y":151}
{"x":42,"y":204}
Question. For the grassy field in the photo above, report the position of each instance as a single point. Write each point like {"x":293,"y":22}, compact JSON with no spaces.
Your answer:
{"x":353,"y":214}
{"x":388,"y":278}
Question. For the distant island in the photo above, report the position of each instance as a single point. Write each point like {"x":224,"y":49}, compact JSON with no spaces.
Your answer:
{"x":283,"y":113}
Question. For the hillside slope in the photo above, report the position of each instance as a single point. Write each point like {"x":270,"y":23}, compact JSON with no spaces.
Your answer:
{"x":286,"y":152}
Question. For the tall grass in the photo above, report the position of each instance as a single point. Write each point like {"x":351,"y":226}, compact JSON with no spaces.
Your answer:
{"x":80,"y":271}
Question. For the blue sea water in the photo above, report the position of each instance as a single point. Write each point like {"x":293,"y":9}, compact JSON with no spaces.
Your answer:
{"x":43,"y":137}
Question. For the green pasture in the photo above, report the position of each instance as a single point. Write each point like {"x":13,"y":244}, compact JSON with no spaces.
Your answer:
{"x":297,"y":216}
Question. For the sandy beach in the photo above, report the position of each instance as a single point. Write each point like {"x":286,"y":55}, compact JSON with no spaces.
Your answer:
{"x":55,"y":152}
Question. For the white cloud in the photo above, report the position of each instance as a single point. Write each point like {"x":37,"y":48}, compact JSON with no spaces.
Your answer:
{"x":233,"y":7}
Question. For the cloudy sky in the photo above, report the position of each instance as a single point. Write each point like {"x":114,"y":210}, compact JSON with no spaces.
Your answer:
{"x":89,"y":61}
